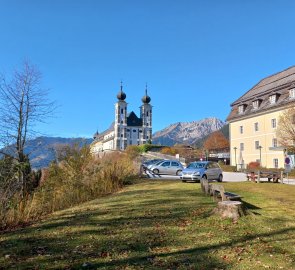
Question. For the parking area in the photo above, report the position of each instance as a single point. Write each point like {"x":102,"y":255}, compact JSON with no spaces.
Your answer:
{"x":227,"y":177}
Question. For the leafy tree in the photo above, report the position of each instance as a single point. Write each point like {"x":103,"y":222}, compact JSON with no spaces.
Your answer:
{"x":216,"y":141}
{"x":286,"y":128}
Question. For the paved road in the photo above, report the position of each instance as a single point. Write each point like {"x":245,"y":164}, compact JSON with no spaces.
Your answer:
{"x":227,"y":177}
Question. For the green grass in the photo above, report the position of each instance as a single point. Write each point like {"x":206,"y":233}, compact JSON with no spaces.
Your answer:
{"x":161,"y":225}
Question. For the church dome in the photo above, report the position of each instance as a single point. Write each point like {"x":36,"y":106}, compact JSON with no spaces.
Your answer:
{"x":146,"y":99}
{"x":121,"y":95}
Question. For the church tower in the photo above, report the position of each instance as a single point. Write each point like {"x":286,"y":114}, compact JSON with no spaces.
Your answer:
{"x":120,"y":126}
{"x":146,"y":116}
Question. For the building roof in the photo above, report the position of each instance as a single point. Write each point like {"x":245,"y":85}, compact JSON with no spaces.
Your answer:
{"x":277,"y":84}
{"x":133,"y":120}
{"x":101,"y":135}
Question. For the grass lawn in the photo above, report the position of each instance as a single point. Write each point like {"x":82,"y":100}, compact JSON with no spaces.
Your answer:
{"x":161,"y":225}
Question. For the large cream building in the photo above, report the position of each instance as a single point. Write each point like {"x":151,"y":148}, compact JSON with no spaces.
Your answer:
{"x":253,"y":121}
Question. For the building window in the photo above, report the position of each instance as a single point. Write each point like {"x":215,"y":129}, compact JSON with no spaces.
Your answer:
{"x":147,"y":137}
{"x":242,"y":146}
{"x":292,"y":93}
{"x":122,"y":135}
{"x":147,"y":113}
{"x":241,"y":129}
{"x":272,"y":99}
{"x":275,"y":163}
{"x":256,"y":144}
{"x":122,"y":111}
{"x":241,"y":109}
{"x":274,"y":123}
{"x":255,"y":104}
{"x":256,"y":127}
{"x":147,"y":124}
{"x":274,"y":142}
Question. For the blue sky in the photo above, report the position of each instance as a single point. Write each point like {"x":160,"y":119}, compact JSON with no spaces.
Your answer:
{"x":196,"y":56}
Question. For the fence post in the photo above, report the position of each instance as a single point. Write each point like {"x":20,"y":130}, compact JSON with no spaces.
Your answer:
{"x":258,"y":177}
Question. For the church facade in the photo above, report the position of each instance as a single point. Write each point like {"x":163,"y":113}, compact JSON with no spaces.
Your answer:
{"x":127,"y":129}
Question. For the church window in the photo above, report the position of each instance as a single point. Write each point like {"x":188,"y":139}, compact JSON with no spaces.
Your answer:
{"x":147,"y":124}
{"x":134,"y":130}
{"x":128,"y":130}
{"x":140,"y":131}
{"x":147,"y":137}
{"x":147,"y":113}
{"x":122,"y":111}
{"x":122,"y":135}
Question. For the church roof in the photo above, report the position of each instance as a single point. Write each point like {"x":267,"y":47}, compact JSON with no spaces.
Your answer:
{"x":276,"y":84}
{"x":133,"y":120}
{"x":110,"y":129}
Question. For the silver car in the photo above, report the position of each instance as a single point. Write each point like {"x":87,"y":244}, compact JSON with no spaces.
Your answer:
{"x":195,"y":171}
{"x":167,"y":167}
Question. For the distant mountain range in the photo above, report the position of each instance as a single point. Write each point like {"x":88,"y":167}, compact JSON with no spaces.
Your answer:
{"x":42,"y":150}
{"x":187,"y":132}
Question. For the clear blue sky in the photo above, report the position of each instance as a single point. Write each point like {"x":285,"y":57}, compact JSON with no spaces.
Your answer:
{"x":196,"y":56}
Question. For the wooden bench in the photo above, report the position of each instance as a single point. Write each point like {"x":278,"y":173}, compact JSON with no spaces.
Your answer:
{"x":217,"y":191}
{"x":270,"y":175}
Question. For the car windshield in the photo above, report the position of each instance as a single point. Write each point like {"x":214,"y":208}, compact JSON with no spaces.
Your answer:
{"x":159,"y":162}
{"x":196,"y":165}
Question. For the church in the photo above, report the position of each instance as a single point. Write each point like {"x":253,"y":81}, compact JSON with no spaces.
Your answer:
{"x":127,"y":129}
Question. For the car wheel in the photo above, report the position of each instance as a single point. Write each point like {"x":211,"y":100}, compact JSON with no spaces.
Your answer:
{"x":220,"y":178}
{"x":155,"y":171}
{"x":184,"y":181}
{"x":179,"y":172}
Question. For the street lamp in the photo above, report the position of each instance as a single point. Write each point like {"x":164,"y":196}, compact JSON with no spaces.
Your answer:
{"x":235,"y":148}
{"x":259,"y":147}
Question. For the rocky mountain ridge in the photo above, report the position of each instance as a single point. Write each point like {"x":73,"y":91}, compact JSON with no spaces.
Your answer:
{"x":187,"y":132}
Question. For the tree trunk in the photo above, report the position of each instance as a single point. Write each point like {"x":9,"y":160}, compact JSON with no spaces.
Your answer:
{"x":230,"y":209}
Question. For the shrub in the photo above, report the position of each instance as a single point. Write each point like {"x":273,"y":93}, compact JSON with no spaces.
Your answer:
{"x":168,"y":151}
{"x":79,"y":177}
{"x":253,"y":165}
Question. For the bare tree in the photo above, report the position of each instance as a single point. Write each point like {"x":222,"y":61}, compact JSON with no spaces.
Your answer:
{"x":23,"y":104}
{"x":286,"y":128}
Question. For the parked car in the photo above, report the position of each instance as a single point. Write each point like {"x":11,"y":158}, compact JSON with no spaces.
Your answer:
{"x":195,"y":171}
{"x":150,"y":162}
{"x":167,"y":167}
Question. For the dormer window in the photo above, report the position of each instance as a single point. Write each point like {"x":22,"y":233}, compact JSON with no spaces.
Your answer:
{"x":273,"y":99}
{"x":256,"y":104}
{"x":241,"y":108}
{"x":292,"y":93}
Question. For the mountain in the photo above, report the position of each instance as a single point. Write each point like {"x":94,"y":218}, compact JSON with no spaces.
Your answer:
{"x":187,"y":132}
{"x":224,"y":130}
{"x":42,"y":150}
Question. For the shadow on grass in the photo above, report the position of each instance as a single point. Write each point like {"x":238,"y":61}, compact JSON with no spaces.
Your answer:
{"x":120,"y":233}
